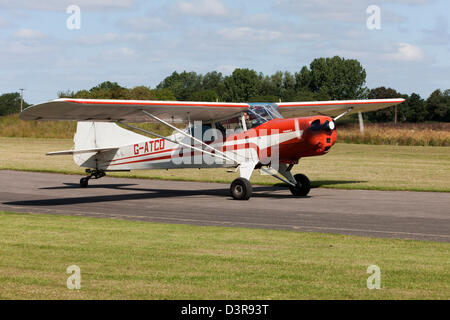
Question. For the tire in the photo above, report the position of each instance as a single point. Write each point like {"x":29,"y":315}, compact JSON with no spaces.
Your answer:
{"x":303,"y":186}
{"x":84,"y":182}
{"x":241,"y":189}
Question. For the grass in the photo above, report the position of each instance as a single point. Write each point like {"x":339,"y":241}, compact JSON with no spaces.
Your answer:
{"x":347,"y":166}
{"x":11,"y":126}
{"x":139,"y":260}
{"x":406,"y":134}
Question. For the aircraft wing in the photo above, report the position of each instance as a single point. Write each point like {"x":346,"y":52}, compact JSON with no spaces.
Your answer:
{"x":130,"y":110}
{"x":333,"y":108}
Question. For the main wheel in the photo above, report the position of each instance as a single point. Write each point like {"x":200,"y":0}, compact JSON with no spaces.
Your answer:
{"x":84,"y":182}
{"x":241,"y":189}
{"x":303,"y":186}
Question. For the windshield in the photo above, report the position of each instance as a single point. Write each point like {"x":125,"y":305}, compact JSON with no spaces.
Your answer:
{"x":261,"y":113}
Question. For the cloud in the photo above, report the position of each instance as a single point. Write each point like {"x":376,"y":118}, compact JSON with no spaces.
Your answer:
{"x":202,"y":8}
{"x":343,"y":10}
{"x":118,"y":54}
{"x":109,"y":38}
{"x":406,"y":52}
{"x":439,"y":35}
{"x":249,"y":34}
{"x":226,"y":69}
{"x":4,"y":23}
{"x":29,"y":34}
{"x":148,"y":24}
{"x":56,"y":5}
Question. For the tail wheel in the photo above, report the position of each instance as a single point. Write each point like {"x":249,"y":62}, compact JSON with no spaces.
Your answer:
{"x":303,"y":186}
{"x":84,"y":182}
{"x":241,"y":189}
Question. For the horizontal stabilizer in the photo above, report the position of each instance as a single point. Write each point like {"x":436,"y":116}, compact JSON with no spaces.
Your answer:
{"x":71,"y":152}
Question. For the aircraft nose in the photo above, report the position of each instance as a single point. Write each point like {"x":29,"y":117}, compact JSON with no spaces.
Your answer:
{"x":327,"y":125}
{"x":321,"y":134}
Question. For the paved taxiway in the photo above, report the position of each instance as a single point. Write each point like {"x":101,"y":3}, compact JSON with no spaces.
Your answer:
{"x":396,"y":214}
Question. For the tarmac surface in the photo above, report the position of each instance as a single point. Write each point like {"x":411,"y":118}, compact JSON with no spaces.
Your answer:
{"x":389,"y":214}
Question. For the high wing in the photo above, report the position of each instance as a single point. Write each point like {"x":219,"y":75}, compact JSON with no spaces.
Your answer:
{"x":130,"y":110}
{"x":333,"y":108}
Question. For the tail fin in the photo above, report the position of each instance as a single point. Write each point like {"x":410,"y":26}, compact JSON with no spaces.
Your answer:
{"x":100,"y":136}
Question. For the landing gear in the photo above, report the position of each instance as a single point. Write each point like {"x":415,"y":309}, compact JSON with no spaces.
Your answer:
{"x":84,"y":182}
{"x":302,"y":187}
{"x":241,"y":189}
{"x":93,"y":174}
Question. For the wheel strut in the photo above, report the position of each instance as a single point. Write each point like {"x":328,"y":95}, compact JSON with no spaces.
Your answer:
{"x":93,"y":174}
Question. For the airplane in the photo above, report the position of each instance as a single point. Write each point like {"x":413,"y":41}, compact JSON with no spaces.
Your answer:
{"x":270,"y":137}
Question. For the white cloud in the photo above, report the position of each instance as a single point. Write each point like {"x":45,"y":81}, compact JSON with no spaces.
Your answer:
{"x":202,"y":8}
{"x":406,"y":52}
{"x":109,"y":38}
{"x":4,"y":23}
{"x":440,"y":34}
{"x":343,"y":10}
{"x":149,"y":24}
{"x":127,"y":52}
{"x":118,"y":54}
{"x":226,"y":69}
{"x":249,"y":34}
{"x":29,"y":34}
{"x":56,"y":5}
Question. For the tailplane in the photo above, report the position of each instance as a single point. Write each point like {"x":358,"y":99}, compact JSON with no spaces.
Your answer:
{"x":96,"y":142}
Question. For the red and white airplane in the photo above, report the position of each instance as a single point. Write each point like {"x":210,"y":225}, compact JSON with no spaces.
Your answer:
{"x":271,"y":137}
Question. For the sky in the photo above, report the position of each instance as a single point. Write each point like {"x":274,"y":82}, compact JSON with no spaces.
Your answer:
{"x":136,"y":42}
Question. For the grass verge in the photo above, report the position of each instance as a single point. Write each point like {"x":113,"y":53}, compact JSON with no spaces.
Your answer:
{"x":139,"y":260}
{"x":406,"y":134}
{"x":347,"y":166}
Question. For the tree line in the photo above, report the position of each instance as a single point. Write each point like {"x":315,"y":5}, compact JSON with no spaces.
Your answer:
{"x":333,"y":78}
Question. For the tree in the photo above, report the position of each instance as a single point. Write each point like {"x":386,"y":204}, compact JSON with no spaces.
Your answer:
{"x":164,"y":94}
{"x":336,"y":77}
{"x":183,"y":85}
{"x":382,"y":115}
{"x":438,"y":106}
{"x":10,"y":103}
{"x":214,"y":81}
{"x":413,"y":109}
{"x":303,"y":79}
{"x":269,"y":99}
{"x":108,"y":90}
{"x":241,"y":85}
{"x":204,"y":95}
{"x":141,"y":93}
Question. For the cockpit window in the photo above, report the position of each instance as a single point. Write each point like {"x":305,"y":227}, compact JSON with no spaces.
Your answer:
{"x":256,"y":115}
{"x":259,"y":114}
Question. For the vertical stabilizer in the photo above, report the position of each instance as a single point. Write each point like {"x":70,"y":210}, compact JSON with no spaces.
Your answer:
{"x":94,"y":135}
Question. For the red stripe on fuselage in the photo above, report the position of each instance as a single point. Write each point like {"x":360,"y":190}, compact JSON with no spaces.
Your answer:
{"x":143,"y":155}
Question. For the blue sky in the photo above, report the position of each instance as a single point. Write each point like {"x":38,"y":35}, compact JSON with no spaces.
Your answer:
{"x":138,"y":42}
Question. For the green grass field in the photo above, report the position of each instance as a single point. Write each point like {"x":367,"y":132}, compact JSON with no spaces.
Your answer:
{"x":140,"y":260}
{"x":348,"y":166}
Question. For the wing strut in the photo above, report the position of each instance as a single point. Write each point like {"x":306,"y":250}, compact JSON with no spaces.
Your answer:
{"x":343,"y":114}
{"x":176,"y":142}
{"x":273,"y":174}
{"x":188,"y":135}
